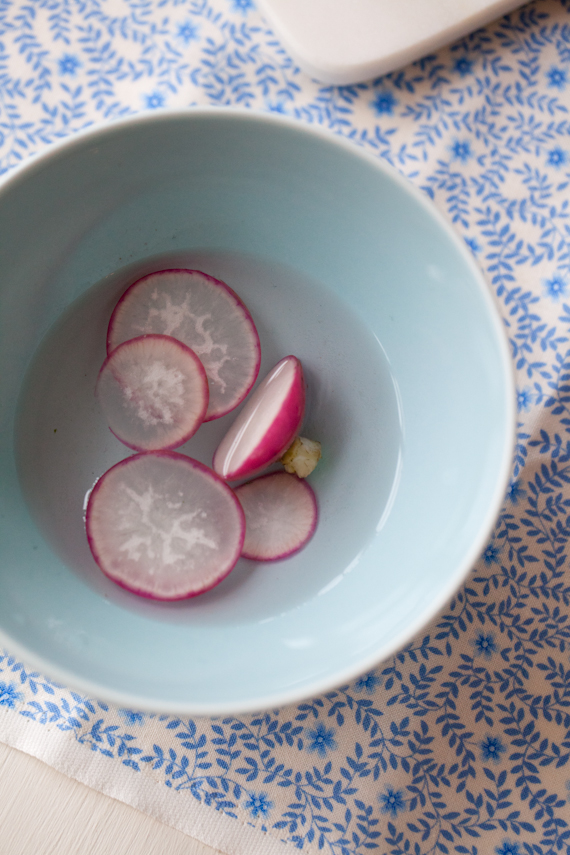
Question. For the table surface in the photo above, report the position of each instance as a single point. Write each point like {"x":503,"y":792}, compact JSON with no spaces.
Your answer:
{"x":69,"y":818}
{"x":464,"y":736}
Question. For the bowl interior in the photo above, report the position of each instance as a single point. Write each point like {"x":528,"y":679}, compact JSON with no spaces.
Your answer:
{"x":410,"y":392}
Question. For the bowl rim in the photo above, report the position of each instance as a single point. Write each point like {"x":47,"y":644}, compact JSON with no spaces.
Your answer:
{"x":331,"y":681}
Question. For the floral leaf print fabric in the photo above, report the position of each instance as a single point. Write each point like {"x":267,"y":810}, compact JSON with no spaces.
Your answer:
{"x":461,"y":742}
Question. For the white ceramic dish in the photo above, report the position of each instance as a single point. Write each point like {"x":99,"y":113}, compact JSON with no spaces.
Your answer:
{"x":347,"y":41}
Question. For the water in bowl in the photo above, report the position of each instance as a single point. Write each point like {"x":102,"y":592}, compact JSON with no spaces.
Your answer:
{"x":63,"y":443}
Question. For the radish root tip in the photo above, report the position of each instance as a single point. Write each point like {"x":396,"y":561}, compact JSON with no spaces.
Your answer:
{"x":302,"y":456}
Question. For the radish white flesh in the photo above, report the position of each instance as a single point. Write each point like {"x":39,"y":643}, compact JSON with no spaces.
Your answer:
{"x":204,"y":314}
{"x":280,"y":515}
{"x":154,"y":392}
{"x":267,"y":424}
{"x":164,"y":526}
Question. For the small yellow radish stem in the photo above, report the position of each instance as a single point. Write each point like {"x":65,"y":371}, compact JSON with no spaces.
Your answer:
{"x":302,"y":456}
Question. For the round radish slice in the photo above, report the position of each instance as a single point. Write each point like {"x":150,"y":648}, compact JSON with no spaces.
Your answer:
{"x":154,"y":392}
{"x":204,"y":314}
{"x":267,"y":424}
{"x":164,"y":526}
{"x":280,"y":515}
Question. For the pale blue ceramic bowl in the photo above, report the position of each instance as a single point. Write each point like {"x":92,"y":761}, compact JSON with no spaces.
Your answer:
{"x":342,"y":263}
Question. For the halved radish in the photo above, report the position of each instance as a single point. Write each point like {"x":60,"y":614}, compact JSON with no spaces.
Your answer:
{"x":204,"y":314}
{"x":154,"y":392}
{"x":164,"y":526}
{"x":280,"y":515}
{"x":267,"y":424}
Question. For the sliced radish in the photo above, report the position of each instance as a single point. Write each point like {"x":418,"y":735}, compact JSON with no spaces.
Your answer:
{"x":154,"y":392}
{"x":204,"y":314}
{"x":164,"y":526}
{"x":267,"y":424}
{"x":280,"y":515}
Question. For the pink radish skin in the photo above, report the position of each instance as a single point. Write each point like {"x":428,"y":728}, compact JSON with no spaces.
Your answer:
{"x":164,"y":526}
{"x":207,"y":316}
{"x":267,"y":424}
{"x":153,"y":391}
{"x":280,"y":516}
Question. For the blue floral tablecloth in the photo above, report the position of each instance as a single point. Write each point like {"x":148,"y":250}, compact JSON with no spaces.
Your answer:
{"x":460,"y":743}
